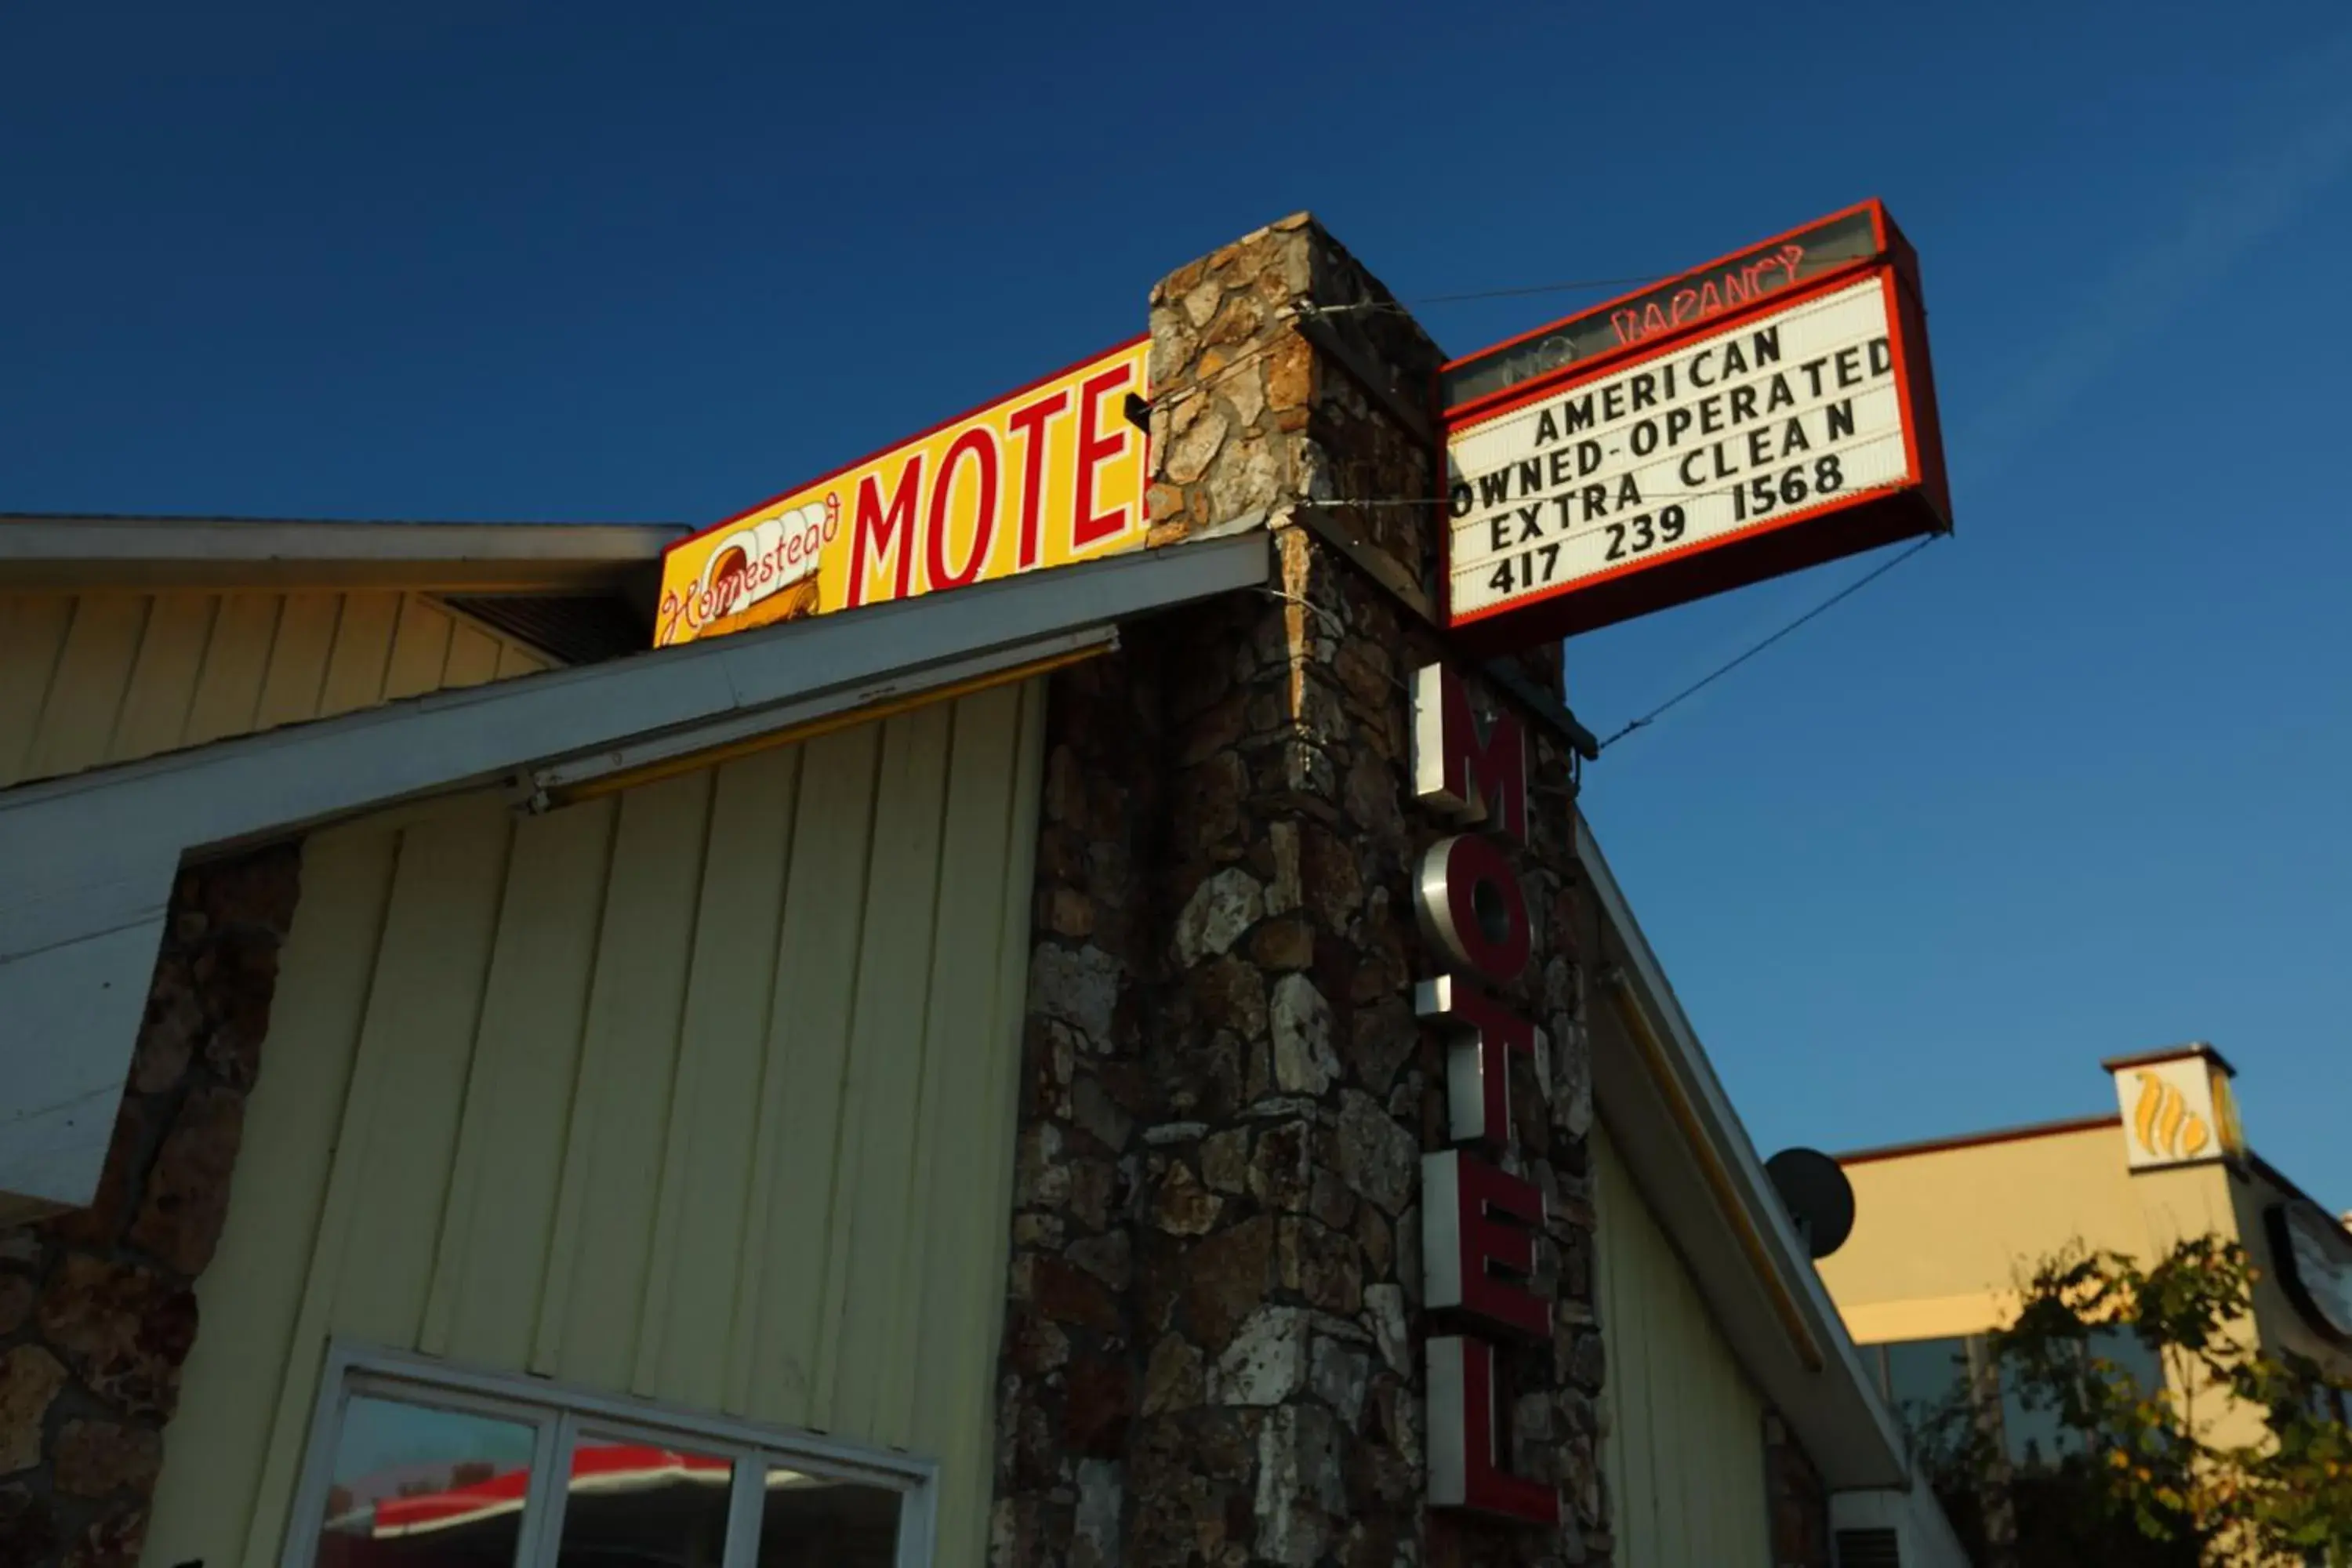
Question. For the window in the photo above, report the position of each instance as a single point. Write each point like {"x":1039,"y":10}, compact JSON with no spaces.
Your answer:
{"x":2033,"y":1435}
{"x":1925,"y":1378}
{"x":417,"y":1465}
{"x":1920,"y":1377}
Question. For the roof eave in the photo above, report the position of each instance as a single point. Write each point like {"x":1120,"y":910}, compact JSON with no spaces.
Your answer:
{"x":69,"y":552}
{"x":1726,"y":1219}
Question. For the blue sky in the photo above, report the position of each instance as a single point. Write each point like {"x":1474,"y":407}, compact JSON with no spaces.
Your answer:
{"x":2066,"y":785}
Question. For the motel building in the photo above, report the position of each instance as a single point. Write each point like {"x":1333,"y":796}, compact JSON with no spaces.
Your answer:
{"x":1033,"y":1001}
{"x":1924,"y":1281}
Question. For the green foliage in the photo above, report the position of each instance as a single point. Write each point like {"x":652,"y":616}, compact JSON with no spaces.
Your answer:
{"x":2145,"y":1475}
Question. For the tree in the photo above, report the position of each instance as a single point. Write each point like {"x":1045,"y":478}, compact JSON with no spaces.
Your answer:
{"x":2141,"y":1474}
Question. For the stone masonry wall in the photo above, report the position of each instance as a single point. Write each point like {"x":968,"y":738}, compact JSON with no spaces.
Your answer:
{"x":1212,"y":1348}
{"x":98,"y":1309}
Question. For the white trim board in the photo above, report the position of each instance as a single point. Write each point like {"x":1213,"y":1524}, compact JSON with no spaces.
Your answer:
{"x":91,"y":859}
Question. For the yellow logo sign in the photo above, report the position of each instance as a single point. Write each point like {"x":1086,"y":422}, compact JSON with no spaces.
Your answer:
{"x":2162,"y":1122}
{"x":1044,"y":477}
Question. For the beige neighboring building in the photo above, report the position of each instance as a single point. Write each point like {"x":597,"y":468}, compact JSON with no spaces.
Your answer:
{"x":1945,"y":1230}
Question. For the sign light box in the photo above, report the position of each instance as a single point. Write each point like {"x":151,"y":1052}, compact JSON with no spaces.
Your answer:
{"x":1049,"y":475}
{"x":1766,"y":412}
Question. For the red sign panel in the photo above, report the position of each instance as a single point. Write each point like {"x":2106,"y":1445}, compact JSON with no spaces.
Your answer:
{"x":1764,"y":413}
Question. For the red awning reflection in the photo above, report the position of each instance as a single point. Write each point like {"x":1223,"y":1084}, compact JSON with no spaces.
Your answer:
{"x":599,"y":1468}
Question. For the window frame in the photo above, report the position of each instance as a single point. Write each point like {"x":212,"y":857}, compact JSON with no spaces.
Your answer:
{"x":557,"y":1414}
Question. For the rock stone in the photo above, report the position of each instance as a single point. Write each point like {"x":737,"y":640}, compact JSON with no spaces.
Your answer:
{"x":1192,"y":452}
{"x":1384,"y":1306}
{"x":1092,"y":1108}
{"x":1281,"y":1175}
{"x":1378,"y":1244}
{"x":1065,"y":1293}
{"x":188,"y":1191}
{"x":16,"y":1303}
{"x":1371,"y":798}
{"x":1364,"y":668}
{"x":1239,"y":316}
{"x":124,"y":1330}
{"x":1185,"y":1207}
{"x":1226,"y":1276}
{"x":1290,"y":374}
{"x":1300,"y":1020}
{"x":1202,"y":300}
{"x":1245,"y":391}
{"x":1100,"y":1405}
{"x":1267,"y":1360}
{"x":1337,"y":1376}
{"x":1588,"y":1364}
{"x":1224,"y":1166}
{"x":1092,"y":1183}
{"x":1286,"y":943}
{"x":1069,"y":912}
{"x":1173,"y":1379}
{"x":1079,"y":985}
{"x":168,"y":1035}
{"x":30,"y":1378}
{"x":1040,"y":1179}
{"x":1382,"y":1039}
{"x":1220,"y":909}
{"x":95,"y":1457}
{"x":1033,"y":1346}
{"x":1329,"y":1200}
{"x":1231,"y":994}
{"x":1334,"y":888}
{"x":1094,"y":1527}
{"x":237,"y":979}
{"x":1378,"y":1159}
{"x":1300,"y":1489}
{"x":1213,"y":732}
{"x":111,"y":1540}
{"x":1248,"y":480}
{"x":1285,"y":893}
{"x":1572,"y":1087}
{"x":1321,"y":1265}
{"x":1108,"y":1256}
{"x":1209,"y":800}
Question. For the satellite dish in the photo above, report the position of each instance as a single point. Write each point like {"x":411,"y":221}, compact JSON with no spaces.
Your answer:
{"x":1819,"y":1197}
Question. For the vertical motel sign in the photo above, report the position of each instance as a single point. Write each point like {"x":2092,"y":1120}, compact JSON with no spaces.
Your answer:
{"x":1479,"y":1221}
{"x":1768,"y":412}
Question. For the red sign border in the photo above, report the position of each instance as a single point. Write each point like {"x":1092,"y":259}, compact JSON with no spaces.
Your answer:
{"x":1765,"y":549}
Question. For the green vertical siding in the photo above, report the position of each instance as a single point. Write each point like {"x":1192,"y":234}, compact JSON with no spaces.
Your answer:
{"x":703,"y":1091}
{"x":87,"y":680}
{"x":1684,"y":1451}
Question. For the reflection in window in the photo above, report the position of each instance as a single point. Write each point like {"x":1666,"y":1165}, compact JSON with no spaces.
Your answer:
{"x":2032,"y":1436}
{"x":1923,"y":1375}
{"x":416,"y":1486}
{"x":419,"y":1476}
{"x":810,"y":1522}
{"x":635,"y":1504}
